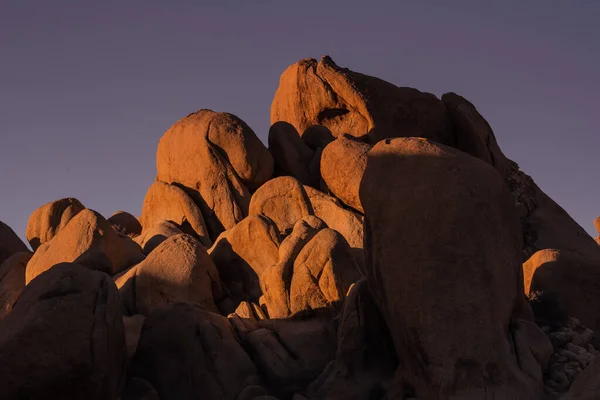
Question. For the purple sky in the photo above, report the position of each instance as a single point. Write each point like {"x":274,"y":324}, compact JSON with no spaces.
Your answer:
{"x":87,"y":88}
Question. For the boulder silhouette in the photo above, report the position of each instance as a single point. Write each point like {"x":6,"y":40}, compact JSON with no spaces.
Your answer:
{"x":64,"y":338}
{"x":432,"y":261}
{"x":9,"y":242}
{"x":46,"y":221}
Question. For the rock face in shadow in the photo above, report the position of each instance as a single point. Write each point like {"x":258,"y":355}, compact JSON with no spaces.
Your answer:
{"x":45,"y":222}
{"x":570,"y":281}
{"x":289,"y":353}
{"x":319,"y":92}
{"x":89,"y":240}
{"x":12,"y":281}
{"x":125,"y":224}
{"x":417,"y":253}
{"x":218,"y":159}
{"x":9,"y":242}
{"x":292,"y":156}
{"x":64,"y":338}
{"x":184,"y":351}
{"x":365,"y":358}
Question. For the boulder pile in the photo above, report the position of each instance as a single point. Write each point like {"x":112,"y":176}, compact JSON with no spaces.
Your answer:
{"x":381,"y":246}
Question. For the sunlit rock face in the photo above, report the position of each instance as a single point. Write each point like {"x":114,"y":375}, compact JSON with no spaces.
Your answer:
{"x":379,"y":246}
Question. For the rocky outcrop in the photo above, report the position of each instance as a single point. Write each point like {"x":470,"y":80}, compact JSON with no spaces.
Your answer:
{"x":346,"y":102}
{"x":219,"y":160}
{"x":88,"y":240}
{"x":422,"y":264}
{"x":64,"y":338}
{"x":45,"y":222}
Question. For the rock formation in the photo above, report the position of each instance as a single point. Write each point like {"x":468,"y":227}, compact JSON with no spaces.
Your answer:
{"x":382,"y":247}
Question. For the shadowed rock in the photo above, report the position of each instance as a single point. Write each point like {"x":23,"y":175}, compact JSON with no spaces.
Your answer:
{"x":125,"y":224}
{"x":152,"y":237}
{"x":12,"y":281}
{"x":9,"y":242}
{"x":184,"y":351}
{"x":64,"y":338}
{"x":292,"y":156}
{"x":432,"y":261}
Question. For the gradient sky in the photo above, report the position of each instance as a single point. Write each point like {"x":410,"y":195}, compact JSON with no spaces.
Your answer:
{"x":87,"y":88}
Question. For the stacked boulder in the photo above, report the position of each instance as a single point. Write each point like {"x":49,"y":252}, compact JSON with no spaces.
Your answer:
{"x":380,"y":247}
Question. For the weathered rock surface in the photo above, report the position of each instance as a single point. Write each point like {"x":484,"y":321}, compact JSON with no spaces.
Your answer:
{"x":242,"y":253}
{"x":88,"y":240}
{"x":178,"y":270}
{"x":343,"y":164}
{"x":329,"y":209}
{"x":365,"y":358}
{"x":125,"y":224}
{"x":165,"y":202}
{"x":282,"y":200}
{"x":64,"y":338}
{"x":12,"y":281}
{"x":432,"y":261}
{"x":9,"y":242}
{"x":348,"y":102}
{"x":219,"y":159}
{"x":184,"y":351}
{"x":569,"y":281}
{"x":46,"y":221}
{"x":290,"y":353}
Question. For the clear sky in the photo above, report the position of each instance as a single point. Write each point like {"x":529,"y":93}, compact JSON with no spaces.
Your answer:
{"x":87,"y":88}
